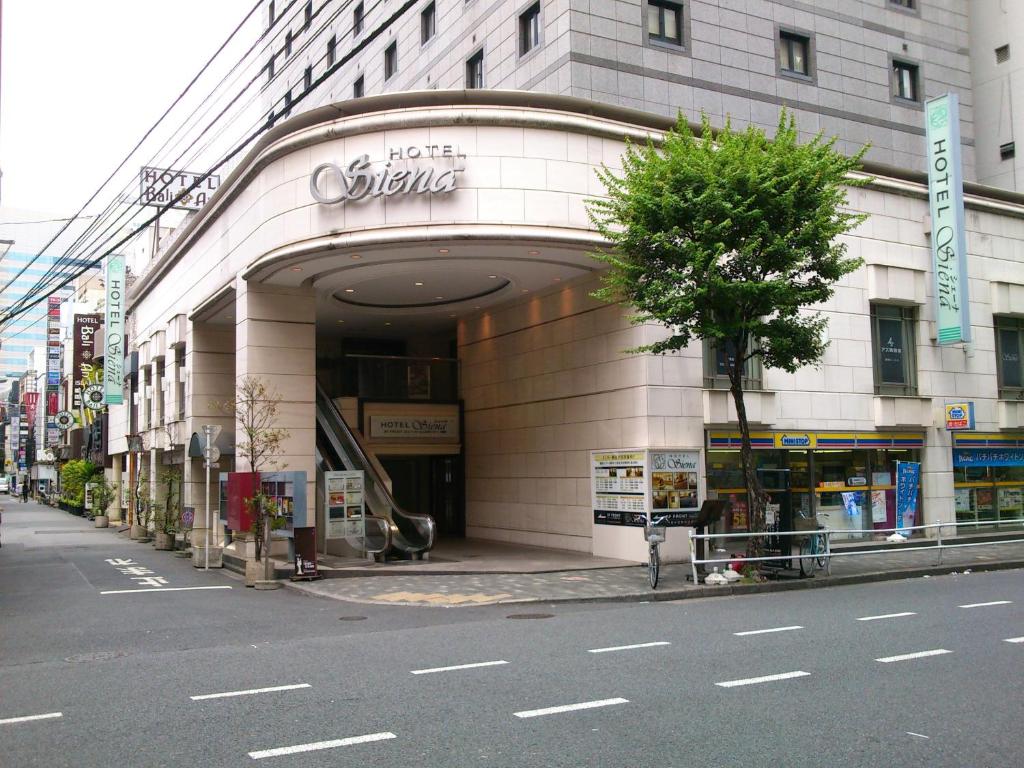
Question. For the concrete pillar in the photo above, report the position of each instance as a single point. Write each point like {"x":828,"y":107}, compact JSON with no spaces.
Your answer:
{"x":116,"y":479}
{"x":937,"y":481}
{"x":275,"y":340}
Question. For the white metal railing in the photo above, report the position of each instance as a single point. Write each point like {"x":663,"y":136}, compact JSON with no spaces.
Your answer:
{"x":826,"y":533}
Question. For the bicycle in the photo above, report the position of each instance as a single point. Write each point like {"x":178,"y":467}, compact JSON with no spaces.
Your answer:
{"x":654,"y":534}
{"x":812,"y":552}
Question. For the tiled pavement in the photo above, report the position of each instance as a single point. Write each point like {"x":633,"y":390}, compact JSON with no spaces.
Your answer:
{"x":630,"y":583}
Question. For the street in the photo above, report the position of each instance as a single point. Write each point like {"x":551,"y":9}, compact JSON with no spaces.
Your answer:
{"x":95,"y":672}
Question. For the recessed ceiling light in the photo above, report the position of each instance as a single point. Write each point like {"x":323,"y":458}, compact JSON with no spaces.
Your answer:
{"x":558,"y":279}
{"x":355,"y":256}
{"x":340,"y":322}
{"x":526,"y":290}
{"x":350,"y":290}
{"x":493,"y":277}
{"x":387,"y":323}
{"x":417,"y":283}
{"x":451,"y":315}
{"x":442,"y":250}
{"x":534,"y":253}
{"x":477,"y":307}
{"x":439,"y":297}
{"x":296,"y":269}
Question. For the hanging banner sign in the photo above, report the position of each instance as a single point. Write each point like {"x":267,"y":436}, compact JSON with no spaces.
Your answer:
{"x":908,"y":476}
{"x":946,"y":205}
{"x":31,"y":403}
{"x":113,"y":356}
{"x":83,"y":355}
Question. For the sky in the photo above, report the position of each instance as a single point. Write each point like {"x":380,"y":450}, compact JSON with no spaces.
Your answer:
{"x":83,"y":81}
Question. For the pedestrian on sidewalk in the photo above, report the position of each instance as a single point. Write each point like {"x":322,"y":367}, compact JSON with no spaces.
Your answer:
{"x":24,"y":491}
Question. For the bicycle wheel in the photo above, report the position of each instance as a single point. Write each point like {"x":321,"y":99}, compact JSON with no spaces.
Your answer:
{"x":819,"y":548}
{"x":807,"y":554}
{"x":654,"y":563}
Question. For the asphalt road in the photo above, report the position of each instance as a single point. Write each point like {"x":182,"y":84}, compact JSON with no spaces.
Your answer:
{"x":122,"y":668}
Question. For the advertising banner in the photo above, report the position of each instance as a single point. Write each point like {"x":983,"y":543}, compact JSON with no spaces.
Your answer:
{"x":946,"y":205}
{"x":113,"y":355}
{"x":31,"y":403}
{"x":674,"y":476}
{"x":908,"y":475}
{"x":619,"y":487}
{"x":83,"y":353}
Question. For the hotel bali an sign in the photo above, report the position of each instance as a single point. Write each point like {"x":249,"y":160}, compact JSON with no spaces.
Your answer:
{"x":414,"y":170}
{"x":946,"y":205}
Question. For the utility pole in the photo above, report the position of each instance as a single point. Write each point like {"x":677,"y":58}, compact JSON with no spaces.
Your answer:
{"x":211,"y":454}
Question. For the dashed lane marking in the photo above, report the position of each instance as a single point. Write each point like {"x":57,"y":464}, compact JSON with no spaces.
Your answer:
{"x":570,"y":707}
{"x":28,"y":718}
{"x":628,"y":647}
{"x":1014,"y":640}
{"x":909,"y":656}
{"x":475,"y":665}
{"x":160,"y":589}
{"x":762,"y":679}
{"x":887,"y":616}
{"x":249,"y":692}
{"x":985,"y":605}
{"x":767,"y":631}
{"x":318,"y":745}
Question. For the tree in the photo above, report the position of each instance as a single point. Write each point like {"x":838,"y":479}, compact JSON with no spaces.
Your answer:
{"x":730,"y":239}
{"x":259,"y":442}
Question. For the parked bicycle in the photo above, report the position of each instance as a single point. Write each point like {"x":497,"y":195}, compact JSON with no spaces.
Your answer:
{"x":654,"y":534}
{"x":813,"y":552}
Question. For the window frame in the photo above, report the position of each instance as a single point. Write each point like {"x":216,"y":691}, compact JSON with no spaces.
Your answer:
{"x":391,"y":60}
{"x":912,"y":7}
{"x":785,"y":37}
{"x":289,"y":44}
{"x":753,"y":379}
{"x":358,"y":85}
{"x":307,"y":17}
{"x":528,"y":18}
{"x":895,"y":82}
{"x":307,"y":78}
{"x":476,"y":59}
{"x":358,"y":20}
{"x":429,"y":12}
{"x":908,"y":317}
{"x":332,"y":50}
{"x":1006,"y":323}
{"x":681,"y":42}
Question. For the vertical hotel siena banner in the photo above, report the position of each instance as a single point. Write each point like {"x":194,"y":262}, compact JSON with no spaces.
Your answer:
{"x":946,"y":203}
{"x":113,"y":357}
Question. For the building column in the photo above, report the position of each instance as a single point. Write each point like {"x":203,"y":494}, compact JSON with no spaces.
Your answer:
{"x":210,"y":365}
{"x":937,"y":492}
{"x":114,"y":511}
{"x":275,"y":341}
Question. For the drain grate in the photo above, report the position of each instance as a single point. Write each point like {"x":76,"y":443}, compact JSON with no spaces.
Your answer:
{"x":351,"y":618}
{"x":97,"y":656}
{"x":530,"y":616}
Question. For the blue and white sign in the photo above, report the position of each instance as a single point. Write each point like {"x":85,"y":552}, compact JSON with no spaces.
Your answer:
{"x":988,"y":457}
{"x":908,"y":476}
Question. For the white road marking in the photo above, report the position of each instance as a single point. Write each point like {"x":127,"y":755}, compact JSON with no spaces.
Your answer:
{"x":458,"y":666}
{"x":251,"y":691}
{"x":570,"y":707}
{"x":628,"y":647}
{"x":1014,"y":640}
{"x":159,"y":589}
{"x":919,"y":735}
{"x":27,"y":718}
{"x":908,"y":656}
{"x":764,"y":679}
{"x":277,"y":752}
{"x":766,"y":631}
{"x":887,"y":616}
{"x":983,"y":605}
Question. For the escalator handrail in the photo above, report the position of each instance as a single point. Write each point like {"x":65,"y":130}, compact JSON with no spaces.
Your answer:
{"x":338,"y":422}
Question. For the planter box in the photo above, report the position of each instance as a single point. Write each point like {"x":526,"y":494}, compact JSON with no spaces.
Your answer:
{"x":101,"y":521}
{"x":164,"y":541}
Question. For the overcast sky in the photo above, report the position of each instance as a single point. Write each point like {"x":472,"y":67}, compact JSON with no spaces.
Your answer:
{"x":82,"y":81}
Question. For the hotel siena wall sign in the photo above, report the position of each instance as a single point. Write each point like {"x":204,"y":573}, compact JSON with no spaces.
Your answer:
{"x":415,"y":170}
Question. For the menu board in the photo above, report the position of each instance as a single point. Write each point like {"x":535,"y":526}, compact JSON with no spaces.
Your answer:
{"x":345,"y":504}
{"x":619,"y":487}
{"x":674,"y":486}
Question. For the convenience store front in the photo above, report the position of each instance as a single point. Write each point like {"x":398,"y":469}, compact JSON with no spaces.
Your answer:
{"x":847,"y":480}
{"x":988,"y":480}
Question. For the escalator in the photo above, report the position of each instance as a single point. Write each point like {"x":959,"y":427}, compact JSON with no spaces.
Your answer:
{"x":389,"y":529}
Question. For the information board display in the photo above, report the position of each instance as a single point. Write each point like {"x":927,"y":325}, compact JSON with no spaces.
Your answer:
{"x":628,"y":487}
{"x":345,"y":504}
{"x":674,"y":486}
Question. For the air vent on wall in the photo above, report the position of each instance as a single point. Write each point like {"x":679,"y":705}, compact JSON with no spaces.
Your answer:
{"x":1002,"y":54}
{"x":1007,"y":150}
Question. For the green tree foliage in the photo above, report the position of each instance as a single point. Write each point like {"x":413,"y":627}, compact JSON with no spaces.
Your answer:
{"x":73,"y":477}
{"x":730,"y":238}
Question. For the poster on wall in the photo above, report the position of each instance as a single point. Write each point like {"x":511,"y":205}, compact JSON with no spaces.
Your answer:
{"x":740,"y":518}
{"x":1010,"y":501}
{"x":853,"y":503}
{"x":619,"y":487}
{"x":674,"y":489}
{"x":962,"y":500}
{"x":879,"y":511}
{"x":345,"y":504}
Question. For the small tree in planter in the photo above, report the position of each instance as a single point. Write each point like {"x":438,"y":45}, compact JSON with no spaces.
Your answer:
{"x":73,"y":477}
{"x":104,"y":494}
{"x":259,"y":443}
{"x":143,"y":509}
{"x":168,"y":511}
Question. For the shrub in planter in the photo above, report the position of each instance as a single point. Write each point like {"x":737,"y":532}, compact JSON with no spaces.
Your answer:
{"x":73,"y":477}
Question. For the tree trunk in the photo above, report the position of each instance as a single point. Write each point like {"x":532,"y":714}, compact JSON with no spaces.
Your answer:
{"x":268,"y":569}
{"x":755,"y":495}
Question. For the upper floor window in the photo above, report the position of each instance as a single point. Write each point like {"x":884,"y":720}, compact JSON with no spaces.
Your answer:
{"x":390,"y":61}
{"x":903,"y":3}
{"x":288,"y":43}
{"x":308,"y":14}
{"x":271,"y":15}
{"x":270,"y":69}
{"x":529,"y":29}
{"x":475,"y":70}
{"x":905,"y":80}
{"x":428,"y":23}
{"x":357,"y":88}
{"x":665,"y":21}
{"x":332,"y":51}
{"x":357,"y":19}
{"x":893,"y":349}
{"x":1009,"y":349}
{"x":720,"y":357}
{"x":794,"y":53}
{"x":307,"y":78}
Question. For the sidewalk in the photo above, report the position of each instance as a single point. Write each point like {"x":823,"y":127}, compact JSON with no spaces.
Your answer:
{"x":629,"y":583}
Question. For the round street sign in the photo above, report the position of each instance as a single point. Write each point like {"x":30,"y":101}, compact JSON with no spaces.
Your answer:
{"x":92,"y":397}
{"x":64,"y":420}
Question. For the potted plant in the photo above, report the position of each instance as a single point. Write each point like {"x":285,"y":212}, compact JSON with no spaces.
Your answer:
{"x":259,"y":572}
{"x":103,"y":495}
{"x":143,"y":511}
{"x":73,"y":477}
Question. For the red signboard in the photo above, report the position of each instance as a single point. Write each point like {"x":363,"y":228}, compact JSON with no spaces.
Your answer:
{"x":241,"y":486}
{"x":31,"y":402}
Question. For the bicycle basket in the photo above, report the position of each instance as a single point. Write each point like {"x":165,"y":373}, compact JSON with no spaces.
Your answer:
{"x":654,"y":533}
